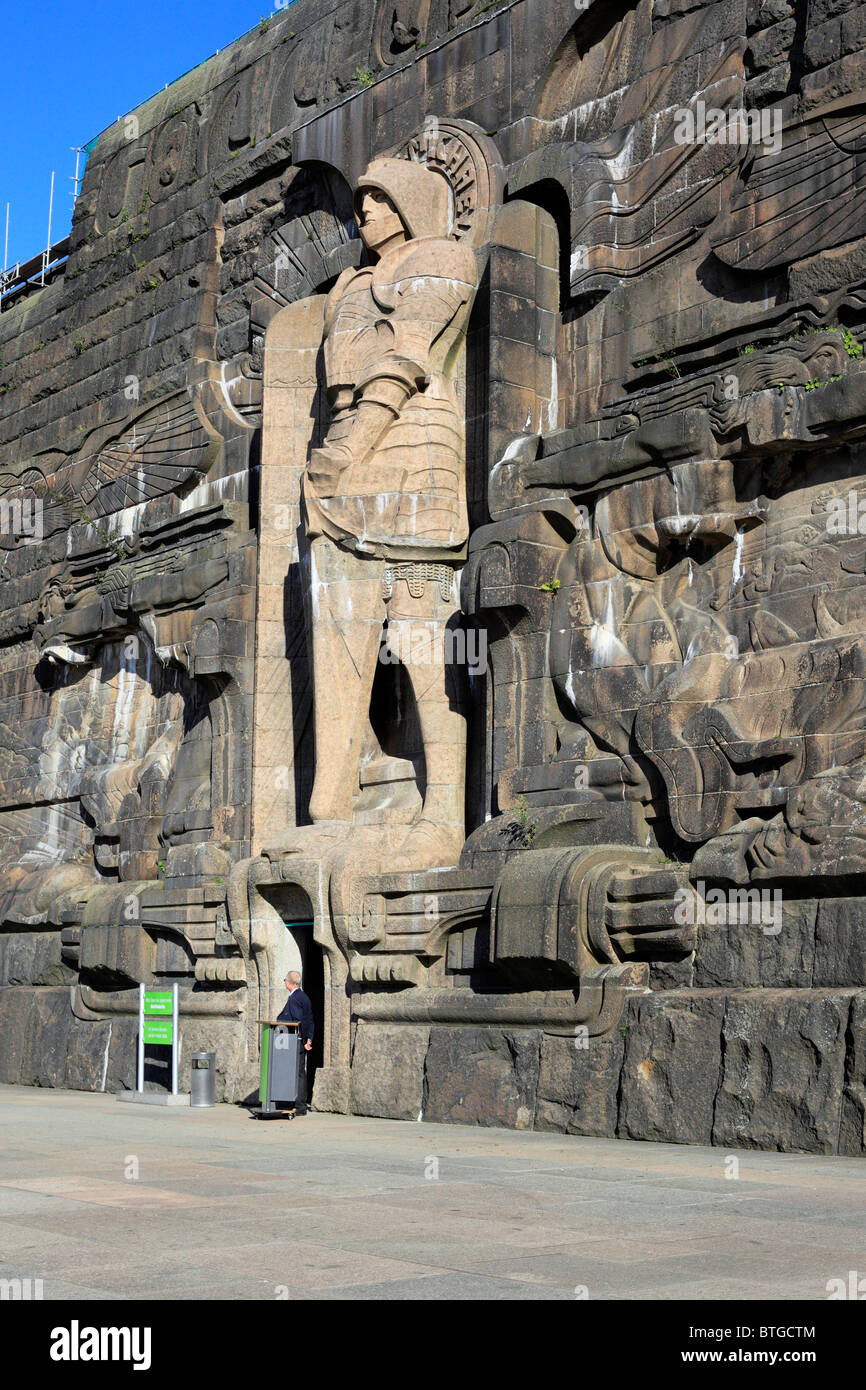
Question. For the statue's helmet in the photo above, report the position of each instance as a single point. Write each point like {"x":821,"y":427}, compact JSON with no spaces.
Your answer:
{"x":421,"y":195}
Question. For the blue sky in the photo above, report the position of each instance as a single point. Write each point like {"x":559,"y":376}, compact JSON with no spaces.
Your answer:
{"x":69,"y":70}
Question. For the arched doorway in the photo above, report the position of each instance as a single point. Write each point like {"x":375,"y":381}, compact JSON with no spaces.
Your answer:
{"x":279,"y":937}
{"x":310,"y":963}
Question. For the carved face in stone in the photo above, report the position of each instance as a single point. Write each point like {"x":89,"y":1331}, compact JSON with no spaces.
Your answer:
{"x":380,"y":222}
{"x":398,"y":199}
{"x":171,"y":157}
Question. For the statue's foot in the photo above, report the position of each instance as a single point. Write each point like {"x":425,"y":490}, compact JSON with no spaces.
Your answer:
{"x":429,"y":846}
{"x":326,"y":837}
{"x":309,"y":839}
{"x":724,"y":858}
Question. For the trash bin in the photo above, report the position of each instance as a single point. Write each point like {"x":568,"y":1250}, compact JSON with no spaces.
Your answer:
{"x":202,"y":1078}
{"x":280,"y":1069}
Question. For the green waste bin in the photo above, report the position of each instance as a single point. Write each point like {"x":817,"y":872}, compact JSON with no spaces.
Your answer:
{"x":279,"y":1079}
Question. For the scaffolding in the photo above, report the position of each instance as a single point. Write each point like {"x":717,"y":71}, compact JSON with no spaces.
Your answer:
{"x":24,"y":276}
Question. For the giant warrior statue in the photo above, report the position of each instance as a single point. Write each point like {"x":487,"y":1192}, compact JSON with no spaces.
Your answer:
{"x":384,"y":498}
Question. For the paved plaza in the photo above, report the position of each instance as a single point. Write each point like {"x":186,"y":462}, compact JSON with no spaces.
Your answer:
{"x":102,"y":1200}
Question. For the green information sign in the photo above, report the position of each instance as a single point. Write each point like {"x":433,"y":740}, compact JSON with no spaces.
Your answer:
{"x":157,"y":1014}
{"x":157,"y":1001}
{"x":158,"y":1030}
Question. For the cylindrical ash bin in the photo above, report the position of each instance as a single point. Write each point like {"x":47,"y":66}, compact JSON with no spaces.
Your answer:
{"x":202,"y":1078}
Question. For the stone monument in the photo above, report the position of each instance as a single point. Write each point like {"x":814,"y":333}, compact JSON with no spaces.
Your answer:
{"x":384,"y":501}
{"x":432,"y":510}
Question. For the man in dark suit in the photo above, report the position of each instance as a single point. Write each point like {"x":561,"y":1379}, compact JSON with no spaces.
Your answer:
{"x":298,"y":1009}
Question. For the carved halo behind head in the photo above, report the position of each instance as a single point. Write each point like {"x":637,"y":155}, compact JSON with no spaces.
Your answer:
{"x":469,"y":161}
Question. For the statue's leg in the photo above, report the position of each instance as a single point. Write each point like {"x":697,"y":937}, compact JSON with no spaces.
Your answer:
{"x":347,"y":612}
{"x":433,"y":663}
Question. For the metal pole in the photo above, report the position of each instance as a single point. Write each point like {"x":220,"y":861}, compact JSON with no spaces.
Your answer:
{"x":77,"y":149}
{"x":5,"y":277}
{"x":174,"y":1041}
{"x":46,"y":259}
{"x":140,"y":1086}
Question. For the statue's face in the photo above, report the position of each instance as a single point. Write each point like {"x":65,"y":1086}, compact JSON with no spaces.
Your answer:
{"x":380,"y":221}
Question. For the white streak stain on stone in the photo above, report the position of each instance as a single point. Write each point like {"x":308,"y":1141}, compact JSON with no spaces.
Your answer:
{"x":209,"y":491}
{"x":618,"y":165}
{"x":737,"y":567}
{"x":553,"y":407}
{"x":123,"y":701}
{"x":603,"y":640}
{"x":105,"y":1058}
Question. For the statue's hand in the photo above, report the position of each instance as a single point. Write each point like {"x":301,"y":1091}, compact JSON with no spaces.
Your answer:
{"x":325,"y":466}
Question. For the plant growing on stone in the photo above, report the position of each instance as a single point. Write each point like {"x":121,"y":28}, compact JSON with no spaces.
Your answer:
{"x":65,"y":500}
{"x":521,"y":831}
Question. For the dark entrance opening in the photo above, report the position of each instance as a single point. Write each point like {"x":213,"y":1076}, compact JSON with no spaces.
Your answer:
{"x":313,"y":984}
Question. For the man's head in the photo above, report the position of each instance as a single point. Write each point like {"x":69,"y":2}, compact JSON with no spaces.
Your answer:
{"x":399,"y":199}
{"x":293,"y":980}
{"x":380,"y":223}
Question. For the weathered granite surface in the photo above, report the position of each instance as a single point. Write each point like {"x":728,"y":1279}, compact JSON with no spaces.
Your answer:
{"x":432,"y":514}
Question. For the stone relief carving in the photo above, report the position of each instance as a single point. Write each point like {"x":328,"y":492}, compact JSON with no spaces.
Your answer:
{"x":163,"y":447}
{"x":619,"y":154}
{"x":622,"y":403}
{"x":384,"y":496}
{"x":814,"y":197}
{"x":400,"y":24}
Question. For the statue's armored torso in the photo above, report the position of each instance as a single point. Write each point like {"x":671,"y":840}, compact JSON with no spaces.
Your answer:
{"x":403,"y":317}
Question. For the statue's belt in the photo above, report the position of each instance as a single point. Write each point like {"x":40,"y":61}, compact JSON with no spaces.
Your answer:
{"x":417,"y":573}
